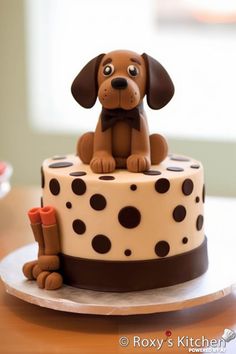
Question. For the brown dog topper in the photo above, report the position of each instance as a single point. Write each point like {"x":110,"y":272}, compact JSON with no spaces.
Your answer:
{"x":121,"y":79}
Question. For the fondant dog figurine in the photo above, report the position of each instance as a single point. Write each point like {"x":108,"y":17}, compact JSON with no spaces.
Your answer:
{"x":121,"y":79}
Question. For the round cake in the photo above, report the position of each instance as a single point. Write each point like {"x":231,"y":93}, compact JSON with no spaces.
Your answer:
{"x":127,"y":231}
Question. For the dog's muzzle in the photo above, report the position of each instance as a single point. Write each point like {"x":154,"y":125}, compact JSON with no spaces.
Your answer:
{"x":119,"y":83}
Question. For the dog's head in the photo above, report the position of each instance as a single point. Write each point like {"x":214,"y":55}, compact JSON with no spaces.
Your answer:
{"x":120,"y":79}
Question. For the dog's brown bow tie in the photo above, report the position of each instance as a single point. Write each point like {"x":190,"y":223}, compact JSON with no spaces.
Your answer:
{"x":111,"y":116}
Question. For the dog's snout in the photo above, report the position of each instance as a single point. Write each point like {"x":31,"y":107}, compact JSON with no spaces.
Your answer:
{"x":119,"y":83}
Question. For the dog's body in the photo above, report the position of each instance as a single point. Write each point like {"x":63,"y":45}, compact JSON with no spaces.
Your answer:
{"x":121,"y":79}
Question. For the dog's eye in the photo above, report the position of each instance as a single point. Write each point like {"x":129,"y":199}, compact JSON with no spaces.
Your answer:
{"x":132,"y":70}
{"x":108,"y":70}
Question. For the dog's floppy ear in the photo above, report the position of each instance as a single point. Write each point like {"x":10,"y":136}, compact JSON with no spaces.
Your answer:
{"x":160,"y":88}
{"x":85,"y":86}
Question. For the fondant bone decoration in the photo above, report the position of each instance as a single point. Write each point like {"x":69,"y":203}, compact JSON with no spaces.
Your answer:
{"x":120,"y":80}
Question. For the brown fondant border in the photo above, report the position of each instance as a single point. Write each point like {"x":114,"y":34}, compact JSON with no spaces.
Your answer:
{"x":122,"y":276}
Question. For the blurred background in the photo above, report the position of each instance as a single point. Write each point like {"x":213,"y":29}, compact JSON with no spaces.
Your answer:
{"x":45,"y":43}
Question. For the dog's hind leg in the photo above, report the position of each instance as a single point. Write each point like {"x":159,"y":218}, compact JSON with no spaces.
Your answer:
{"x":159,"y":148}
{"x":85,"y":147}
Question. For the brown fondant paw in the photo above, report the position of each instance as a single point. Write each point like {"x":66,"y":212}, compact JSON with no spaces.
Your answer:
{"x":36,"y":271}
{"x":41,"y":279}
{"x":53,"y":281}
{"x":49,"y":281}
{"x":28,"y":269}
{"x":103,"y":164}
{"x":138,"y":163}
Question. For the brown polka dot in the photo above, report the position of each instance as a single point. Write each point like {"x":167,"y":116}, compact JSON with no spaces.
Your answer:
{"x":179,"y":158}
{"x":162,"y":248}
{"x":54,"y":186}
{"x":78,"y":173}
{"x":42,"y":178}
{"x":195,"y":166}
{"x":127,"y":252}
{"x":175,"y":169}
{"x":78,"y":186}
{"x":98,"y":202}
{"x":60,"y":164}
{"x":185,"y":240}
{"x":162,"y":185}
{"x":179,"y":213}
{"x":133,"y":187}
{"x":107,"y":178}
{"x":187,"y":186}
{"x":197,"y":199}
{"x":199,"y":223}
{"x":152,"y":173}
{"x":101,"y":244}
{"x":203,"y":193}
{"x":57,"y":157}
{"x":79,"y":226}
{"x":129,"y":217}
{"x":68,"y":205}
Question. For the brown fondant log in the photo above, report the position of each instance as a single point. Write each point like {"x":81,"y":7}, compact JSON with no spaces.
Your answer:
{"x":50,"y":231}
{"x":38,"y":236}
{"x":45,"y":230}
{"x":51,"y":239}
{"x":35,"y":220}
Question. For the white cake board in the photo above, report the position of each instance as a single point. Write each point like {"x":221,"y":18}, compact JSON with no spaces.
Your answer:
{"x":216,"y":283}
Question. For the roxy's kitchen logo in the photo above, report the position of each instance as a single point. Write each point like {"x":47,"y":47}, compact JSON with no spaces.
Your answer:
{"x":194,"y":345}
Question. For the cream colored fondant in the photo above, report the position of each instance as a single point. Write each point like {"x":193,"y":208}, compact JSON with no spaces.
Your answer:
{"x":157,"y":223}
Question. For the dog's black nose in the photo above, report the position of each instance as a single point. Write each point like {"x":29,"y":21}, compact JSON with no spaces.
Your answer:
{"x":119,"y":83}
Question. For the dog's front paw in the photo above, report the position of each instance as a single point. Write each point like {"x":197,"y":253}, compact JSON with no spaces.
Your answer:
{"x":105,"y":164}
{"x":138,"y":163}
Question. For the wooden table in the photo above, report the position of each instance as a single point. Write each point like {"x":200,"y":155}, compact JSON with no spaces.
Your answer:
{"x":26,"y":328}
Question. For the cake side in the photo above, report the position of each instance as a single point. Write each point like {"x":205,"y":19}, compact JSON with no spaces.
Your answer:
{"x":126,"y":216}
